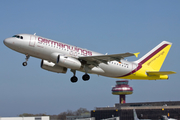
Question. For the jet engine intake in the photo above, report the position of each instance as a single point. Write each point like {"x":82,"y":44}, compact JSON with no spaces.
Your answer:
{"x":50,"y":66}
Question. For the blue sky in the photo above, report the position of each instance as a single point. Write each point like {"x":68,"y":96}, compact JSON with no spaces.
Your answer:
{"x":103,"y":26}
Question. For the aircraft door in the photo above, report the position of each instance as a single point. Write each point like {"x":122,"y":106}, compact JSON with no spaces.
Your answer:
{"x":32,"y":41}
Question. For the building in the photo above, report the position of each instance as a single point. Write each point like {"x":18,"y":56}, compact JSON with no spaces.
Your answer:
{"x":144,"y":110}
{"x":26,"y":118}
{"x":84,"y":116}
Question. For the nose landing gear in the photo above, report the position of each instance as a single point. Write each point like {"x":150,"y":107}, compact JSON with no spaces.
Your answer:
{"x":25,"y":63}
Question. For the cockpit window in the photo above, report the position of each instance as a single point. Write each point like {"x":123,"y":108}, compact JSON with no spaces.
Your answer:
{"x":17,"y":36}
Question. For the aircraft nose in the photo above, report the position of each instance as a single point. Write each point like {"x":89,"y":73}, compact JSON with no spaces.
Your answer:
{"x":8,"y":41}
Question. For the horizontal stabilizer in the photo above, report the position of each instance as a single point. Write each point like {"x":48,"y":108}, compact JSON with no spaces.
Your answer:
{"x":158,"y":73}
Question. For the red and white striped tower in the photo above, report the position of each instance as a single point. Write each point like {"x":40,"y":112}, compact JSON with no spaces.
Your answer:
{"x":122,"y":89}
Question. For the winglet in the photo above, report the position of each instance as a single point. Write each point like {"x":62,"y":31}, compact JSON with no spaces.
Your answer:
{"x":136,"y":54}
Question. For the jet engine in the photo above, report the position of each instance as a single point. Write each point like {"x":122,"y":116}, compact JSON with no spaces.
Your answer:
{"x":68,"y":62}
{"x":65,"y":61}
{"x":50,"y":66}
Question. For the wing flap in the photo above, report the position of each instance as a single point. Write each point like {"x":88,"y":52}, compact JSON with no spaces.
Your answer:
{"x":158,"y":73}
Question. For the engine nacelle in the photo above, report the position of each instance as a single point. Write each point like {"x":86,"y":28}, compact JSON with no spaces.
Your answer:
{"x":68,"y":62}
{"x":50,"y":66}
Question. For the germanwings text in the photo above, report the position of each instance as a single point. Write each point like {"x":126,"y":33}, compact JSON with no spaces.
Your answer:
{"x":68,"y":47}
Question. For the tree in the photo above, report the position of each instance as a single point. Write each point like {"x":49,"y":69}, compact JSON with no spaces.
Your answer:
{"x":62,"y":116}
{"x":29,"y":115}
{"x":81,"y":111}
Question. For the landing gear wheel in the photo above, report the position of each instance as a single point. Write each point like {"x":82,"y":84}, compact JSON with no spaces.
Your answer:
{"x":24,"y":63}
{"x":85,"y":77}
{"x":74,"y":79}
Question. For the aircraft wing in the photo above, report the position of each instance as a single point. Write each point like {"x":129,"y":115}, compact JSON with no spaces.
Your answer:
{"x":95,"y":60}
{"x":157,"y":73}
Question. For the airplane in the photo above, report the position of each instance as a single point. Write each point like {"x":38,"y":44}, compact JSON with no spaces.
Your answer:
{"x":58,"y":57}
{"x":135,"y":116}
{"x":164,"y":117}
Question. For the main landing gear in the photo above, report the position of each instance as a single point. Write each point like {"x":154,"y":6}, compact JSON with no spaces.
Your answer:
{"x":25,"y":63}
{"x":86,"y":77}
{"x":74,"y":79}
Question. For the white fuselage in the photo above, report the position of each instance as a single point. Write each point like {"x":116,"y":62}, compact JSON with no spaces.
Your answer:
{"x":44,"y":48}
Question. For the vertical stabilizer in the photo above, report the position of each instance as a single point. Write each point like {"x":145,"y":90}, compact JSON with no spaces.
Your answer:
{"x":135,"y":115}
{"x":156,"y":56}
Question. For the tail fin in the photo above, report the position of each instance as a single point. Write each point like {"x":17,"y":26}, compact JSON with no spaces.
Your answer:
{"x":156,"y":56}
{"x":135,"y":115}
